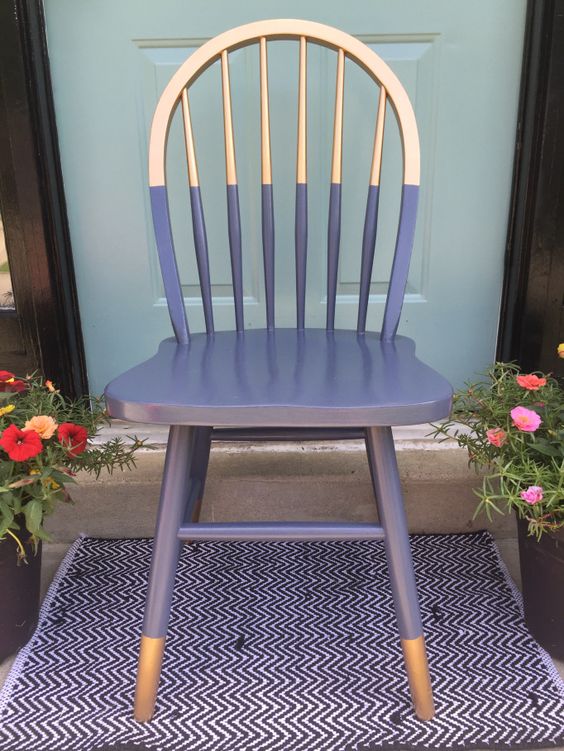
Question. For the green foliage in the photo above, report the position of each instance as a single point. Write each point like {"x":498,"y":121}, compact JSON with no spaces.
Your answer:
{"x":31,"y":489}
{"x":524,"y":459}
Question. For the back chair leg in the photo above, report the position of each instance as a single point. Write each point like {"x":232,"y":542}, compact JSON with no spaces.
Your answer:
{"x":174,"y":504}
{"x":387,"y":489}
{"x":199,"y":466}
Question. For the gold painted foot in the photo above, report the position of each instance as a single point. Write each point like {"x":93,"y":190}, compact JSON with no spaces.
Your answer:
{"x":148,"y":676}
{"x":417,"y":670}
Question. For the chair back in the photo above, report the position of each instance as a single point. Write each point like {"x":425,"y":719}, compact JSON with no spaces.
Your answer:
{"x":176,"y":94}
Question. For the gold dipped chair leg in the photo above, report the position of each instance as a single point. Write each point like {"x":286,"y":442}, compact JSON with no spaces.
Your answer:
{"x":148,"y":676}
{"x":417,"y":670}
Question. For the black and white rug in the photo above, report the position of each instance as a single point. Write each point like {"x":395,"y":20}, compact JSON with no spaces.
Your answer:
{"x":282,"y":647}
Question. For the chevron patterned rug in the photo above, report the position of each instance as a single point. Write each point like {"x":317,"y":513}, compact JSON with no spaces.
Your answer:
{"x":282,"y":647}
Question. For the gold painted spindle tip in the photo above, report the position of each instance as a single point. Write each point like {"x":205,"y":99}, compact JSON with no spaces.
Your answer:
{"x":230,"y":166}
{"x":266,"y":160}
{"x":302,"y":114}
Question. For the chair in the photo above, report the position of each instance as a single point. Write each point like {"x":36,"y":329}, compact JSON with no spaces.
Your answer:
{"x":270,"y":383}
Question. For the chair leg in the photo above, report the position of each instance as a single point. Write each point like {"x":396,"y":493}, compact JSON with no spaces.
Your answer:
{"x":199,"y":466}
{"x":175,"y":491}
{"x":371,"y":466}
{"x":387,"y":489}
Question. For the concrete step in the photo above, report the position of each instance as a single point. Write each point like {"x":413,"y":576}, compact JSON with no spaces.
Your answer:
{"x":283,"y":482}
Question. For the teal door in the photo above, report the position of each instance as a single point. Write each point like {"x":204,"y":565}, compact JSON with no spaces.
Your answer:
{"x":460,"y":63}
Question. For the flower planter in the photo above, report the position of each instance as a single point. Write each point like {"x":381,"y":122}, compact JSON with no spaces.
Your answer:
{"x":19,"y":590}
{"x":542,"y":572}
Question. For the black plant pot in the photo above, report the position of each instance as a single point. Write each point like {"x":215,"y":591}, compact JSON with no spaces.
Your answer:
{"x":542,"y":573}
{"x":19,"y":593}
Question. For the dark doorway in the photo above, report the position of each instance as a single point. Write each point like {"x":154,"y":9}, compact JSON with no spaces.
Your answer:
{"x":39,"y":318}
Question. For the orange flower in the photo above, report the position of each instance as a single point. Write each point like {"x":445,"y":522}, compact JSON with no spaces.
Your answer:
{"x":530,"y":382}
{"x":49,"y":386}
{"x":496,"y":436}
{"x":560,"y":350}
{"x":43,"y":425}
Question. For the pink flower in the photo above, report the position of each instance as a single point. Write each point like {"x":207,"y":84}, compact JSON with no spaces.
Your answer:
{"x":530,"y":382}
{"x":496,"y":436}
{"x":525,"y":419}
{"x":533,"y":494}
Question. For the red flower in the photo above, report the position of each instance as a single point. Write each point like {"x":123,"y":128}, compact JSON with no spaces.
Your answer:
{"x":20,"y":445}
{"x":73,"y":437}
{"x":9,"y":382}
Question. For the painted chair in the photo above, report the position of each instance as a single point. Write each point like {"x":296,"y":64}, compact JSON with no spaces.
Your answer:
{"x":299,"y":383}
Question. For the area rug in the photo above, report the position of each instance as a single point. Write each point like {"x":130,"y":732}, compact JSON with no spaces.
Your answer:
{"x":282,"y":646}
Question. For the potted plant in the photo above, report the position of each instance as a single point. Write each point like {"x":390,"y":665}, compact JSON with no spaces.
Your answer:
{"x":43,"y":444}
{"x":512,"y":425}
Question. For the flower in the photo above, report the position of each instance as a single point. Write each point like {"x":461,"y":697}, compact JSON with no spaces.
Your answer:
{"x":560,"y":350}
{"x":73,"y":437}
{"x":530,"y":382}
{"x":533,"y":494}
{"x":9,"y":382}
{"x":49,"y":386}
{"x":20,"y":445}
{"x":525,"y":419}
{"x":496,"y":436}
{"x":7,"y":409}
{"x":44,"y":425}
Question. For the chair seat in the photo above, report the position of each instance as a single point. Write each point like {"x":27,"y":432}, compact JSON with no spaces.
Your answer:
{"x":285,"y":377}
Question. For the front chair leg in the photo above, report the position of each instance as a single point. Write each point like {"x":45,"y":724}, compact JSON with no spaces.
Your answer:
{"x":387,"y":489}
{"x":175,"y":495}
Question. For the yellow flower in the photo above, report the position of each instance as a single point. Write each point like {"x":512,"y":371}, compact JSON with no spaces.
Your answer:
{"x":560,"y":350}
{"x":50,"y":483}
{"x":42,"y":424}
{"x":7,"y":409}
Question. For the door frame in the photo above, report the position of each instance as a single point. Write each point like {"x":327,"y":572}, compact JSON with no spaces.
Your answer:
{"x":33,"y":207}
{"x":532,"y":311}
{"x":37,"y":226}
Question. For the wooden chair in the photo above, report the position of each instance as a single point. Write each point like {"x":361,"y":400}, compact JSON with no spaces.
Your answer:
{"x":285,"y":383}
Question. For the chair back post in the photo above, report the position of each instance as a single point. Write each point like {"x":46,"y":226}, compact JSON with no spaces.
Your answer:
{"x":391,"y":91}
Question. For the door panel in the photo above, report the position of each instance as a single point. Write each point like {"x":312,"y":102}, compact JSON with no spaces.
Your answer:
{"x":460,"y":64}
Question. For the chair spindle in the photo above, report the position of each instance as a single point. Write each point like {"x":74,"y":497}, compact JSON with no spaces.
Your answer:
{"x":301,"y":189}
{"x":371,"y":216}
{"x":198,"y":222}
{"x":233,"y":213}
{"x":402,"y":257}
{"x":267,"y":199}
{"x":334,"y":224}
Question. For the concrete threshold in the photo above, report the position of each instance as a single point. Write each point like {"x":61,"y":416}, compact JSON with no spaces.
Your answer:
{"x":283,"y":481}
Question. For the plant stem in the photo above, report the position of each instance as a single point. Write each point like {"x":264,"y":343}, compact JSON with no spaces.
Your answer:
{"x":21,"y":552}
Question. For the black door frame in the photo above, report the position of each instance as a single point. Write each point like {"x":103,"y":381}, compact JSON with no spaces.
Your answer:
{"x":532,"y":313}
{"x":33,"y":202}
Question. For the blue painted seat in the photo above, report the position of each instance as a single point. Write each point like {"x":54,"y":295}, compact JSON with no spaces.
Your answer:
{"x":279,"y":382}
{"x":283,"y":377}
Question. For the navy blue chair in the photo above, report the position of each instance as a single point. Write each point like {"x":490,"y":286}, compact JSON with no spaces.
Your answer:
{"x":299,"y":383}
